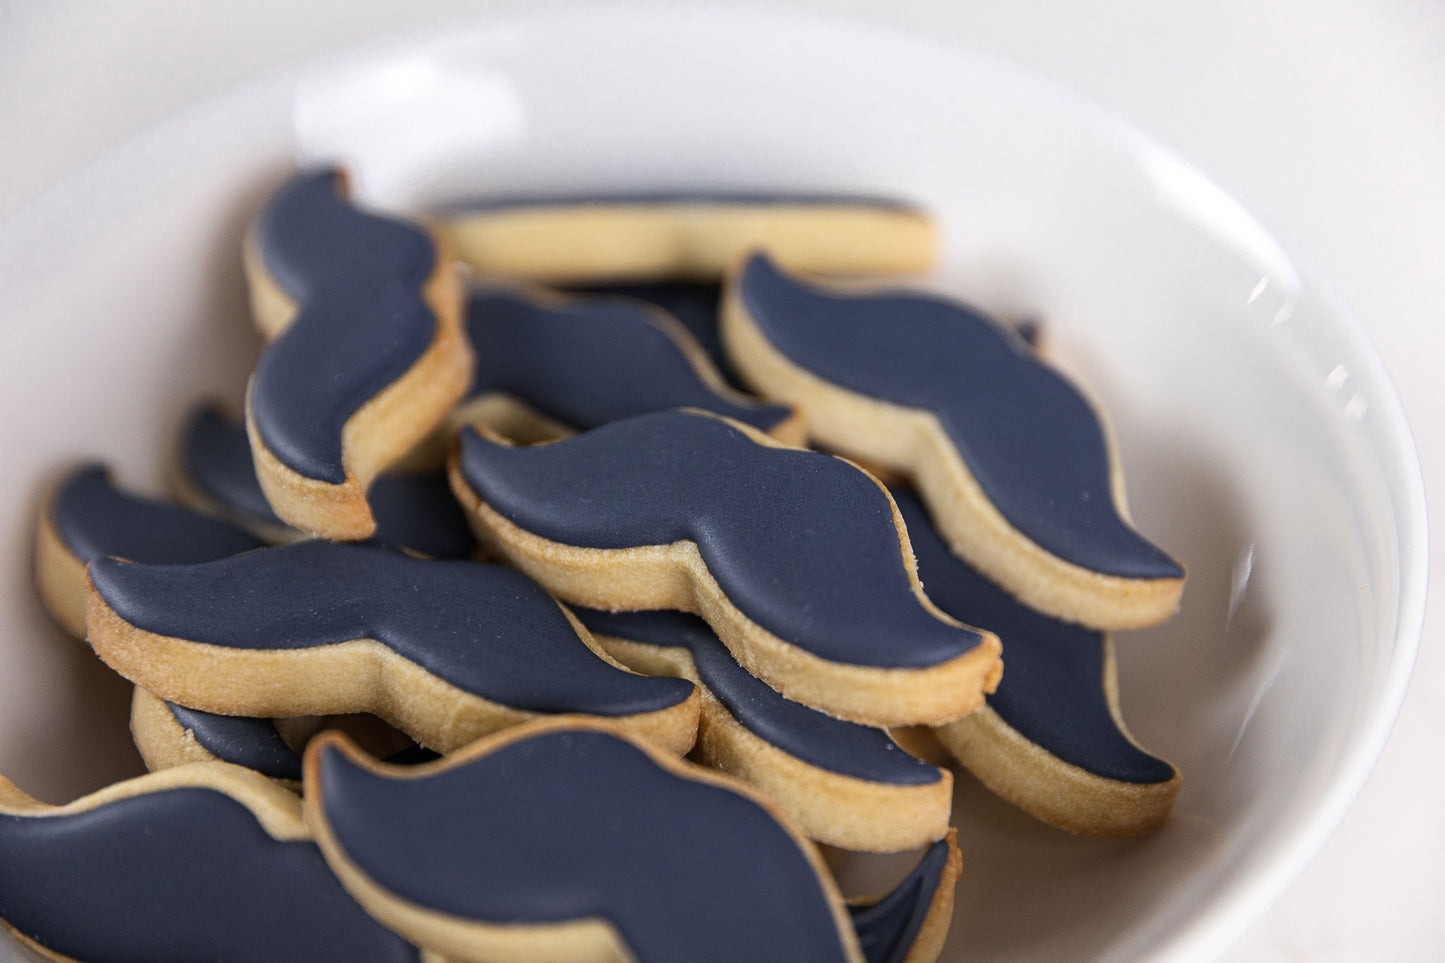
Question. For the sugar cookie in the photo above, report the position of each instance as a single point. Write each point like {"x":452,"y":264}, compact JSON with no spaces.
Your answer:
{"x":909,"y":924}
{"x":589,"y":846}
{"x":796,"y":559}
{"x":694,"y":304}
{"x":214,"y":473}
{"x":575,"y":240}
{"x":846,"y":785}
{"x":87,"y":517}
{"x":698,"y":307}
{"x":586,"y":361}
{"x":168,"y":735}
{"x":1011,"y":458}
{"x":1051,"y":739}
{"x":366,"y":351}
{"x":445,"y":651}
{"x":202,"y":862}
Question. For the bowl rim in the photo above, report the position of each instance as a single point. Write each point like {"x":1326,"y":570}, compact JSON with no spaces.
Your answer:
{"x":1209,"y":933}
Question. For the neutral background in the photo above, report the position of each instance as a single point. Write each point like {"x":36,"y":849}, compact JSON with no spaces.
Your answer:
{"x":1326,"y":117}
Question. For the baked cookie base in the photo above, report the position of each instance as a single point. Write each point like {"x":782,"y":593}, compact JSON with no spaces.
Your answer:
{"x":599,"y":242}
{"x":60,"y":578}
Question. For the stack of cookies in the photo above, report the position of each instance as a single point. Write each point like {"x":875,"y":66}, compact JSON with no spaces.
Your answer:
{"x":635,"y":658}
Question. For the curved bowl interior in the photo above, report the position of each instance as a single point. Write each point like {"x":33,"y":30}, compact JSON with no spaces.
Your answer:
{"x":1262,"y":443}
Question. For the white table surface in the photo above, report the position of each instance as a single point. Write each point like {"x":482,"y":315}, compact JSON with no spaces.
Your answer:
{"x":1326,"y":117}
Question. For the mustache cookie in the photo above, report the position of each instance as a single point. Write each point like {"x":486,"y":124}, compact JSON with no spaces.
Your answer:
{"x":168,"y":735}
{"x":685,"y":236}
{"x":87,"y":517}
{"x":1011,"y":458}
{"x":909,"y":924}
{"x":202,"y":862}
{"x":586,"y":361}
{"x":214,"y":473}
{"x":366,"y":352}
{"x":444,"y":651}
{"x":694,"y":304}
{"x":1051,"y":739}
{"x":796,"y":559}
{"x":846,"y":785}
{"x":698,"y":307}
{"x":591,"y":846}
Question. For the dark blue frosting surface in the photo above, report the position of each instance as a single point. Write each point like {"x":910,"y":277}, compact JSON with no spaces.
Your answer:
{"x":215,"y":455}
{"x":1027,"y":435}
{"x":1052,"y":691}
{"x":695,"y":305}
{"x":589,"y":361}
{"x":253,"y":743}
{"x":178,"y":876}
{"x":94,"y":519}
{"x":802,"y":543}
{"x":582,"y":824}
{"x":862,"y":752}
{"x":416,"y":511}
{"x":888,"y":928}
{"x":361,"y":323}
{"x":488,"y":630}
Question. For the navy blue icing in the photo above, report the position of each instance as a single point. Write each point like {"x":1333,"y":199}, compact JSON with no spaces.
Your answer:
{"x":177,"y":876}
{"x":668,"y":198}
{"x":361,"y":323}
{"x":569,"y":825}
{"x":488,"y":630}
{"x":694,"y":304}
{"x":215,"y":455}
{"x":697,"y":305}
{"x":1027,"y":435}
{"x":253,"y":743}
{"x":888,"y":928}
{"x":588,"y":361}
{"x":863,"y":752}
{"x":416,"y":511}
{"x":1052,"y":693}
{"x":94,"y":519}
{"x":801,"y":543}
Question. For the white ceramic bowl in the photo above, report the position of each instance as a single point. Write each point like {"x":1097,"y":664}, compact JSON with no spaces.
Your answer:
{"x":1262,"y":441}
